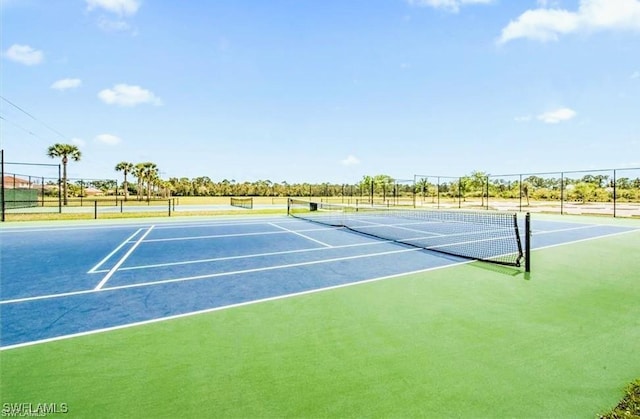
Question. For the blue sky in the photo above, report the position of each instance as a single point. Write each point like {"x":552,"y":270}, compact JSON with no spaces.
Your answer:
{"x":322,"y":91}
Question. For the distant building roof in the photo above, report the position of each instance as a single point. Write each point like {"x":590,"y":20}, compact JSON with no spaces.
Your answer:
{"x":11,"y":182}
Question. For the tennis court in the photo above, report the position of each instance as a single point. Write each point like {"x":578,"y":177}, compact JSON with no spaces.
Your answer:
{"x":87,"y":284}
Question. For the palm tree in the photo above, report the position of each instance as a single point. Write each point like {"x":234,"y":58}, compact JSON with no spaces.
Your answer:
{"x":138,"y":173}
{"x":126,"y":168}
{"x":65,"y":151}
{"x":150,"y":174}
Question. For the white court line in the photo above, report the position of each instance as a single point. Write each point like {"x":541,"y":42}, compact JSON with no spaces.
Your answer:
{"x":633,"y":230}
{"x":92,"y":270}
{"x":49,"y":296}
{"x":400,"y":226}
{"x":214,"y":236}
{"x":268,"y":268}
{"x":258,"y":233}
{"x":571,"y":228}
{"x":250,"y":256}
{"x":218,"y":223}
{"x":121,"y":261}
{"x":192,"y":278}
{"x":164,"y":224}
{"x":464,"y":233}
{"x":301,"y":235}
{"x":214,"y":309}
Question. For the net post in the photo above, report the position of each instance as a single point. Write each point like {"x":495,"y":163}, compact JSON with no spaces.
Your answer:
{"x":95,"y":209}
{"x":527,"y":243}
{"x":288,"y":206}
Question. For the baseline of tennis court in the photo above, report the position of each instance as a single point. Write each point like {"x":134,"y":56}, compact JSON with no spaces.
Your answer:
{"x":65,"y":281}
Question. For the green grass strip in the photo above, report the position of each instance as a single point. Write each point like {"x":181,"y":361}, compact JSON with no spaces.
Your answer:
{"x":471,"y":341}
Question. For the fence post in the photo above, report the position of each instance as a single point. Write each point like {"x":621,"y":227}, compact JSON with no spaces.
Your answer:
{"x":59,"y":190}
{"x":561,"y":193}
{"x":486,"y":190}
{"x":614,"y":193}
{"x":520,"y":194}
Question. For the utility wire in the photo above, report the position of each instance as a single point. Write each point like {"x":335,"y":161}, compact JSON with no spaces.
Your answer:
{"x":19,"y":126}
{"x":34,"y":118}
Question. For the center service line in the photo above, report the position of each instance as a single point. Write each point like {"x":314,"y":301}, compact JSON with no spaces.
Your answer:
{"x":121,"y":261}
{"x":95,"y":268}
{"x":301,"y":235}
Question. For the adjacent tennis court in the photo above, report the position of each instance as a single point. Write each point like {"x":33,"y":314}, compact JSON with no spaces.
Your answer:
{"x":269,"y":308}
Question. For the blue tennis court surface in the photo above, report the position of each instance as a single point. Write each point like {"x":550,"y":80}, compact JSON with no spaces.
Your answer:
{"x":65,"y":281}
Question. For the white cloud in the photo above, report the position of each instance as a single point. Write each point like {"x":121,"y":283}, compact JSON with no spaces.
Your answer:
{"x":635,"y":75}
{"x":540,"y":25}
{"x":119,"y":7}
{"x":449,"y":5}
{"x":126,"y":95}
{"x":350,"y":161}
{"x":108,"y":139}
{"x":548,"y":24}
{"x":557,"y":115}
{"x":24,"y":54}
{"x":65,"y":84}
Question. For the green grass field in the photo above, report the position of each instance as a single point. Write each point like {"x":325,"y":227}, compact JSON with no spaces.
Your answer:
{"x":468,"y":341}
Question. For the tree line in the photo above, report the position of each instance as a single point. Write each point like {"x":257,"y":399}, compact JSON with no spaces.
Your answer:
{"x":587,"y":188}
{"x":478,"y":184}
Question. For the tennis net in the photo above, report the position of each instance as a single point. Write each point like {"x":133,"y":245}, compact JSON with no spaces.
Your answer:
{"x":242,"y":202}
{"x":480,"y":235}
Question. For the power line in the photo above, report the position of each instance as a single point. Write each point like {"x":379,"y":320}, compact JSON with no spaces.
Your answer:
{"x":34,"y":118}
{"x":21,"y":127}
